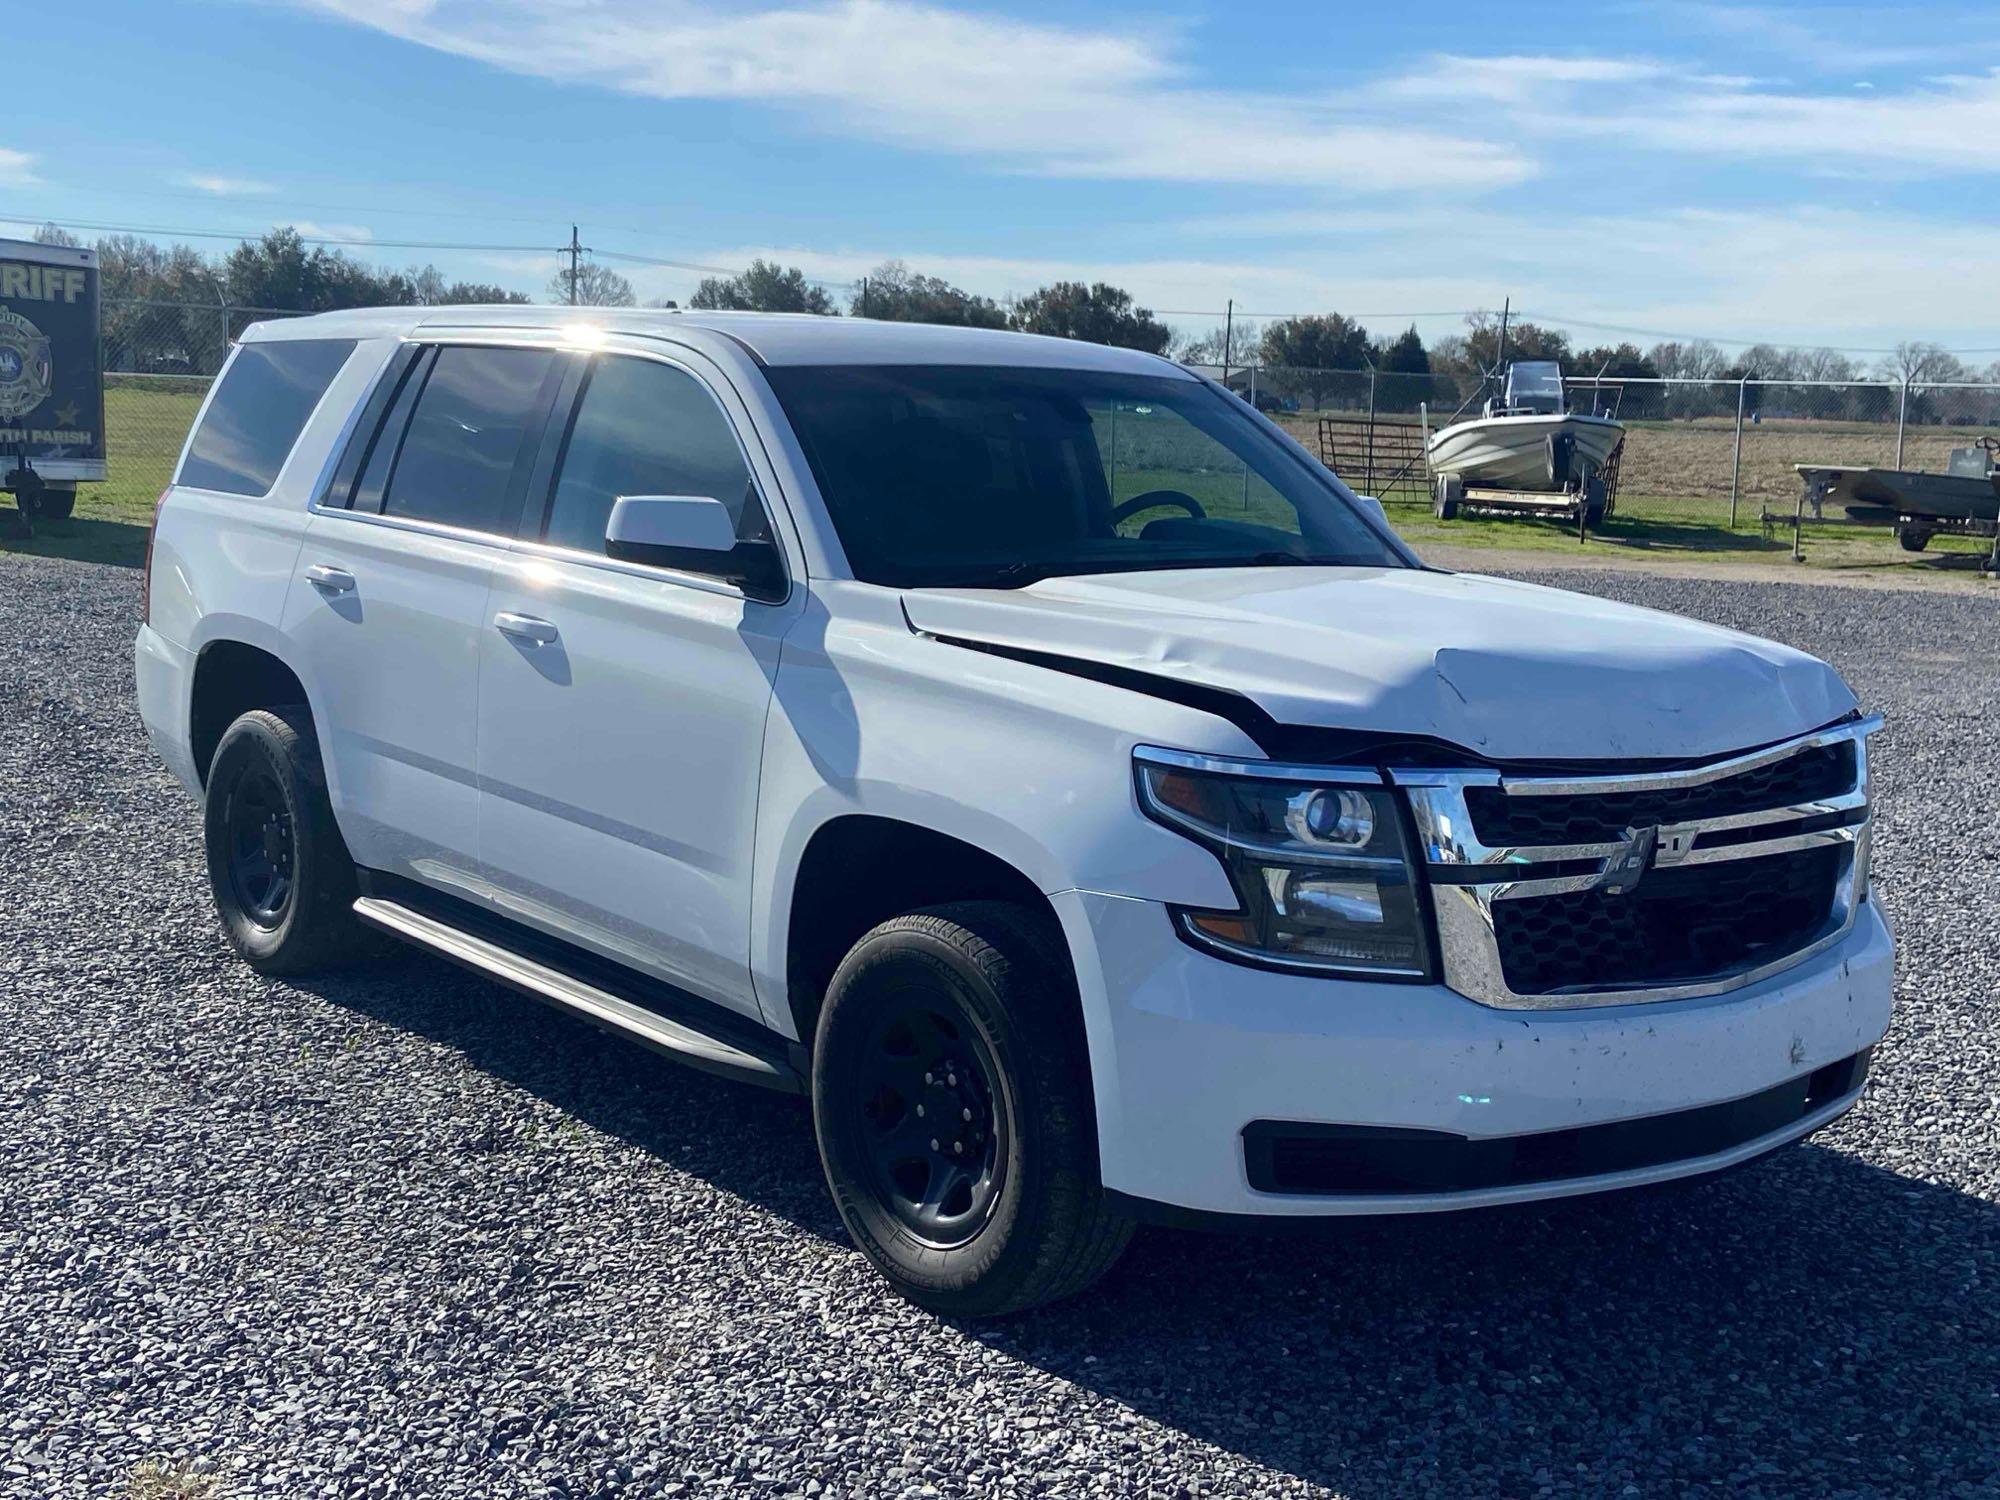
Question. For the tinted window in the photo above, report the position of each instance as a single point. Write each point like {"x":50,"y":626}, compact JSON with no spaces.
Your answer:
{"x":646,"y":429}
{"x":259,"y":412}
{"x":387,"y":441}
{"x":998,"y":476}
{"x":477,"y":414}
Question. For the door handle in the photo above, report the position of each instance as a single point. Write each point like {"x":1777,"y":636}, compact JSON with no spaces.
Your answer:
{"x":329,"y":579}
{"x":525,"y":628}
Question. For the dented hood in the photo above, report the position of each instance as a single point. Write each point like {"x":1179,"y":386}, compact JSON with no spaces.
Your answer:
{"x":1509,"y":670}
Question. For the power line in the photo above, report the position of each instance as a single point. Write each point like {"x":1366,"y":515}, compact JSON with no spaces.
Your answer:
{"x":575,"y":250}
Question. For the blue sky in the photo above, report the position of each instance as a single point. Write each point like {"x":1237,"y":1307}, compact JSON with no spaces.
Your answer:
{"x":1793,"y":172}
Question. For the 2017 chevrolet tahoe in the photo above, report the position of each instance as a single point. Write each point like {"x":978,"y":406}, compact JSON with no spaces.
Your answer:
{"x":1024,"y":748}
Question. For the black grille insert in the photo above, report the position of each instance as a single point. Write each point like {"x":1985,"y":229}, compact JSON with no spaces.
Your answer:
{"x":1688,"y":923}
{"x":1503,"y":820}
{"x":1283,"y":1157}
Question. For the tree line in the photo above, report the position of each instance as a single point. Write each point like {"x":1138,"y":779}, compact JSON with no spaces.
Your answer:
{"x":281,"y":273}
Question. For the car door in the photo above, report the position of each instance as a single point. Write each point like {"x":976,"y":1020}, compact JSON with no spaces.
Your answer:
{"x":388,"y":599}
{"x":622,"y":707}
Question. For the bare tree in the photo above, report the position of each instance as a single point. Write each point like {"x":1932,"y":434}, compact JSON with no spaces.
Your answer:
{"x":596,"y":286}
{"x":1917,"y":363}
{"x":1239,"y":344}
{"x":1822,"y":364}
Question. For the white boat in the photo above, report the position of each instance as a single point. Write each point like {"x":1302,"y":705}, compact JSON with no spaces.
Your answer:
{"x":1508,"y":445}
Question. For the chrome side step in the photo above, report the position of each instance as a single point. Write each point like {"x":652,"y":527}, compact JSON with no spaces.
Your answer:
{"x":567,"y":992}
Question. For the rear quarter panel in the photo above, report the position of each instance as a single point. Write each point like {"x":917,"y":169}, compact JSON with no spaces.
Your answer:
{"x":222,"y":563}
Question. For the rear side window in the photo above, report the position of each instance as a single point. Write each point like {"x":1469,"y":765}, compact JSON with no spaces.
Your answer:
{"x":479,"y":412}
{"x":645,"y":428}
{"x":258,"y":413}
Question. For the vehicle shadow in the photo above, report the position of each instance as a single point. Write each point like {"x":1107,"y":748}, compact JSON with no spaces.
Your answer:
{"x":1806,"y":1324}
{"x":755,"y":1143}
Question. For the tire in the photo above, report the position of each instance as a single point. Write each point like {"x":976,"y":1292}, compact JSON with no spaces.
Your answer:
{"x":962,"y":1019}
{"x":285,"y":894}
{"x":57,"y":504}
{"x":1447,"y":491}
{"x":1560,"y":452}
{"x":1911,"y":539}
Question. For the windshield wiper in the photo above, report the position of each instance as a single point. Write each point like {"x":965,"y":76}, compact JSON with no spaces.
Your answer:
{"x":1013,"y":575}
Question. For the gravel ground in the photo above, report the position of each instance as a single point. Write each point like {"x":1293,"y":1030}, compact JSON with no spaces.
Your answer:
{"x":401,"y":1232}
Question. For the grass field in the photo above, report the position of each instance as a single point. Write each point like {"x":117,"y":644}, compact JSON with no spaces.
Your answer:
{"x":145,"y":422}
{"x":1674,"y":498}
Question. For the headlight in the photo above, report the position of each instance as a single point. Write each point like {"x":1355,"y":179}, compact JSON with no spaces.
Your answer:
{"x":1321,"y":867}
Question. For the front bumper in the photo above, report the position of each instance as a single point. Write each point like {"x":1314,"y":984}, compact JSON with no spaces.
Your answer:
{"x":1188,"y":1050}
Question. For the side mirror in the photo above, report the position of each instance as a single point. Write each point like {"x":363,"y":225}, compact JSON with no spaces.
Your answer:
{"x":1374,"y":508}
{"x":692,"y":533}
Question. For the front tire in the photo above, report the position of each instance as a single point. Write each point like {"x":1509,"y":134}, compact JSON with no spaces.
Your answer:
{"x":282,"y":877}
{"x":952,"y":1101}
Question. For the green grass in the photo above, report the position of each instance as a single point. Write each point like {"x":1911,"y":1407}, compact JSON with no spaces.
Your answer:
{"x":1669,"y":526}
{"x":145,"y":422}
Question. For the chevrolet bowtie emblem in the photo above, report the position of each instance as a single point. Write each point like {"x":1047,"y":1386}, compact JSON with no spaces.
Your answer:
{"x":1645,"y":848}
{"x":1624,"y":870}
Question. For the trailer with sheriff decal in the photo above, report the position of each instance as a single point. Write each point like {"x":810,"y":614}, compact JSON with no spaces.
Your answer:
{"x":51,"y":376}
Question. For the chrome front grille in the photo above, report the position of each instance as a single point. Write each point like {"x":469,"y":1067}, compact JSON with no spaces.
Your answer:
{"x":1563,"y":892}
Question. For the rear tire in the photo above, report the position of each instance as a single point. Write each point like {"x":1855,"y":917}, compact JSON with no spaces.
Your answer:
{"x":1911,"y":539}
{"x":952,"y":1100}
{"x":282,"y":877}
{"x":57,"y":504}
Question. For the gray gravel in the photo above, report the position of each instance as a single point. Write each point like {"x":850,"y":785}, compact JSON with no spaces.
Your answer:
{"x":400,"y":1232}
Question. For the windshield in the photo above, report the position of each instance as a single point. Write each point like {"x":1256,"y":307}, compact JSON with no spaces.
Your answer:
{"x":1536,"y":384}
{"x":994,"y":476}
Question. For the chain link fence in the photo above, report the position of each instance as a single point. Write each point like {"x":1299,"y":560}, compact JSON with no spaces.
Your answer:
{"x":1714,"y":453}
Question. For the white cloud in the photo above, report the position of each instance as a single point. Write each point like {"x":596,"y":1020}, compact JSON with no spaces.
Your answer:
{"x":17,"y":168}
{"x":223,"y":187}
{"x":312,"y":229}
{"x":1934,"y":127}
{"x":1059,"y":100}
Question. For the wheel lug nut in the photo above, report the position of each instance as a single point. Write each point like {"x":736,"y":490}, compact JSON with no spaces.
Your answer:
{"x":951,"y":1080}
{"x":958,"y":1148}
{"x":929,"y":1079}
{"x":965,"y":1115}
{"x":934,"y":1144}
{"x":920,"y":1111}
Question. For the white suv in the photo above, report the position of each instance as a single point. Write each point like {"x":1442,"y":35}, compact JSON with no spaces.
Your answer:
{"x":1022,"y":746}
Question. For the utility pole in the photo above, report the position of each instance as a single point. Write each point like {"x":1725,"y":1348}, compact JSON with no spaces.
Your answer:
{"x":575,"y":251}
{"x":864,"y":296}
{"x":1228,"y":334}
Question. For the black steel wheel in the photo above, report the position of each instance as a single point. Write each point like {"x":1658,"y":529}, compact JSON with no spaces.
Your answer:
{"x":932,"y":1120}
{"x":263,"y":856}
{"x":280,"y":871}
{"x":952,"y":1100}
